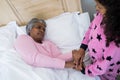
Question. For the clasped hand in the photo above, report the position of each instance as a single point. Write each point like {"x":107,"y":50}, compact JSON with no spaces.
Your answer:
{"x":77,"y":62}
{"x":78,"y":56}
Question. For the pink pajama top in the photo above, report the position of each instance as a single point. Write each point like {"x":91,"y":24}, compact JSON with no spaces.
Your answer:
{"x":40,"y":55}
{"x":105,"y":60}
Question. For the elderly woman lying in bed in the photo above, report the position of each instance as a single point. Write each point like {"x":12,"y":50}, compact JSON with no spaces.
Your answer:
{"x":39,"y":52}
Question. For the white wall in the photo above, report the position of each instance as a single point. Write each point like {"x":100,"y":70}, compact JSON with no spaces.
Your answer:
{"x":89,"y":6}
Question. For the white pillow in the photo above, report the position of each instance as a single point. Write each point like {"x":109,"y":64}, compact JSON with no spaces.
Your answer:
{"x":83,"y":20}
{"x":7,"y":35}
{"x":67,"y":30}
{"x":21,"y":30}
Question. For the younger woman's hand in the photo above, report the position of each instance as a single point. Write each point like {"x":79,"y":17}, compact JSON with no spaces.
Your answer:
{"x":78,"y":56}
{"x":75,"y":56}
{"x":80,"y":67}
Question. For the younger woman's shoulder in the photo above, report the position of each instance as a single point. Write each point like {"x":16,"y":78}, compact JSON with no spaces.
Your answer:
{"x":97,"y":14}
{"x":98,"y":18}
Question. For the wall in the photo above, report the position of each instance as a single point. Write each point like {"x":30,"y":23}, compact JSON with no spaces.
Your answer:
{"x":88,"y":6}
{"x":23,"y":10}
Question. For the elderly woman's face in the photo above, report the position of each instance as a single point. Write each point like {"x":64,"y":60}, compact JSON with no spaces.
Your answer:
{"x":37,"y":32}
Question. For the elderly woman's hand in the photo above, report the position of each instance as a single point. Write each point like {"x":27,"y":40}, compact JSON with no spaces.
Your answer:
{"x":69,"y":64}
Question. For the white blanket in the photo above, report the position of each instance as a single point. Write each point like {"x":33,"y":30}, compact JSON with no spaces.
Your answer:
{"x":13,"y":68}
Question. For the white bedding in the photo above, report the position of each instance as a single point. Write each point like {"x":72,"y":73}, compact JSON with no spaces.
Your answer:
{"x":12,"y":67}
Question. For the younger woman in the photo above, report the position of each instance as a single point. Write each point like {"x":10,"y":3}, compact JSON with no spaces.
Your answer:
{"x":103,"y":42}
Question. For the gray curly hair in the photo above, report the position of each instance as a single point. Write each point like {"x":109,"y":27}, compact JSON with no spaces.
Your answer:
{"x":32,"y":22}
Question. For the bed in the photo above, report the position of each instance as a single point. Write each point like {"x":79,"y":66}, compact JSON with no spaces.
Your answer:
{"x":65,"y":27}
{"x":66,"y":31}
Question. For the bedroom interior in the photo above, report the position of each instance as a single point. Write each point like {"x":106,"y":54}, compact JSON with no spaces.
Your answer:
{"x":16,"y":13}
{"x":60,"y":15}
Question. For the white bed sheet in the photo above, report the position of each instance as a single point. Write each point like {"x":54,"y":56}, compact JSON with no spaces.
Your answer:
{"x":12,"y":67}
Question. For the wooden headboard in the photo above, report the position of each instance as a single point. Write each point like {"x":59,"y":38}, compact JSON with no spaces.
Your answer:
{"x":23,"y":10}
